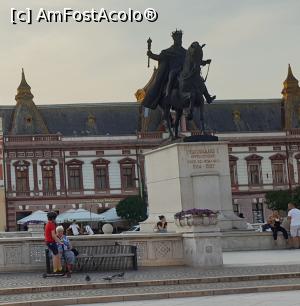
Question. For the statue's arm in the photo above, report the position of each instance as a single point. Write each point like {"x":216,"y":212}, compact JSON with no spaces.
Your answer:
{"x":153,"y":56}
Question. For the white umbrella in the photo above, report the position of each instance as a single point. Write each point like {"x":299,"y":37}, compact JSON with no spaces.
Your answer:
{"x":64,"y":216}
{"x":110,"y":215}
{"x":38,"y":216}
{"x":80,"y":215}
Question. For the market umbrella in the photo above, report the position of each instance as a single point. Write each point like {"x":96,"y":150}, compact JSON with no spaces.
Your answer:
{"x":38,"y":216}
{"x":110,"y":216}
{"x":79,"y":215}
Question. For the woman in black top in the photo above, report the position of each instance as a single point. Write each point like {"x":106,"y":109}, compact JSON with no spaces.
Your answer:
{"x":162,"y":224}
{"x":276,"y":225}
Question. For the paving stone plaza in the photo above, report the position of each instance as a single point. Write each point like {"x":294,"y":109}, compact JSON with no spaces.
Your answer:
{"x":290,"y":298}
{"x":243,"y":272}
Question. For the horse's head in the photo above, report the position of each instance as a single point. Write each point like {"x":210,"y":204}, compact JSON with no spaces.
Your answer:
{"x":195,"y":52}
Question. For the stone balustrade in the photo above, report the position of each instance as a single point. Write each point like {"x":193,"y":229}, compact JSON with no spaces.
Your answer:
{"x":23,"y":251}
{"x":28,"y":253}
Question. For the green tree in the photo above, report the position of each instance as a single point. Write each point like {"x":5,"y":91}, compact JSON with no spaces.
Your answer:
{"x":133,"y":209}
{"x":279,"y":199}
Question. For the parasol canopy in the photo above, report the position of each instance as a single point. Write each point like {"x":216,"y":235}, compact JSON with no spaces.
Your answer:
{"x":80,"y":215}
{"x":38,"y":216}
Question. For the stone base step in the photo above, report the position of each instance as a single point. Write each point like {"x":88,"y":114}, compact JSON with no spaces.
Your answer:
{"x":116,"y":291}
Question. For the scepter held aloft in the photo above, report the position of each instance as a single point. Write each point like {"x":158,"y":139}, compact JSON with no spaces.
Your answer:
{"x":149,"y":42}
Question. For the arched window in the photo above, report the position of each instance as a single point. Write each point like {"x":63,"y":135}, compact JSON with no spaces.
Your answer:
{"x":48,"y":175}
{"x":233,"y":170}
{"x":278,"y":162}
{"x":75,"y":183}
{"x":127,"y":170}
{"x":297,"y":156}
{"x":254,"y":169}
{"x":101,"y":175}
{"x":22,"y":177}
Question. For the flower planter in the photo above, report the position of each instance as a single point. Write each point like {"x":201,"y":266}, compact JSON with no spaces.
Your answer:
{"x":195,"y":223}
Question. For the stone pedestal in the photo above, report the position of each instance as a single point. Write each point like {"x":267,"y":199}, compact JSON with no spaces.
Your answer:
{"x":182,"y":176}
{"x":202,"y":249}
{"x":36,"y":229}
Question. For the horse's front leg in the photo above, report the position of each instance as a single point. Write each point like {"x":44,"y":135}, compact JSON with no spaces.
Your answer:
{"x":202,"y":126}
{"x":191,"y":107}
{"x":178,"y":117}
{"x":168,"y":120}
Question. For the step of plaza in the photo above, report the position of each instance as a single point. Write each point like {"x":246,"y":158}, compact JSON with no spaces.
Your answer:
{"x":265,"y":272}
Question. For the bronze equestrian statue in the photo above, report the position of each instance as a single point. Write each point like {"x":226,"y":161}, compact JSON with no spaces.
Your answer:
{"x":178,"y":83}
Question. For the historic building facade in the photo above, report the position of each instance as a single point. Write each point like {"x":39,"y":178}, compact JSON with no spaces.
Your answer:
{"x":2,"y":189}
{"x":91,"y":155}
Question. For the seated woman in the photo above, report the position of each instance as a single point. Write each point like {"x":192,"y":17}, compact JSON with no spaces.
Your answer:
{"x":64,"y":249}
{"x":162,"y":224}
{"x":276,"y":220}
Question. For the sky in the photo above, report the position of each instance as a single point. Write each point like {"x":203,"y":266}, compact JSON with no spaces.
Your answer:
{"x":250,"y":43}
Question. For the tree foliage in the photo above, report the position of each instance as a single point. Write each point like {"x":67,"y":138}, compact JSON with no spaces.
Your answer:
{"x":279,"y":199}
{"x":133,"y":209}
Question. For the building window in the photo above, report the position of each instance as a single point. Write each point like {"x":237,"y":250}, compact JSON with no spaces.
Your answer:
{"x":101,"y":178}
{"x":22,"y":177}
{"x":278,"y":173}
{"x":297,"y":157}
{"x":254,"y":174}
{"x":101,"y":174}
{"x":125,"y":152}
{"x":48,"y":175}
{"x":128,"y":176}
{"x":278,"y":168}
{"x":75,"y":183}
{"x":254,"y":170}
{"x":258,"y":212}
{"x":233,"y":170}
{"x":74,"y":178}
{"x":73,"y":153}
{"x":127,"y":169}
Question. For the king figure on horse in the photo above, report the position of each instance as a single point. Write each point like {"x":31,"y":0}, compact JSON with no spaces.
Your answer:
{"x":178,"y":83}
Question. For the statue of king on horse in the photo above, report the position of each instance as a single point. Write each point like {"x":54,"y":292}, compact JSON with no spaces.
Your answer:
{"x":178,"y":83}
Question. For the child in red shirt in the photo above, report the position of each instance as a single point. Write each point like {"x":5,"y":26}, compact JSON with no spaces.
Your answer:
{"x":51,"y":239}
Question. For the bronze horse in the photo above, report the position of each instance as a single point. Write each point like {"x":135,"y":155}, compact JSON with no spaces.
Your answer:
{"x":188,"y":91}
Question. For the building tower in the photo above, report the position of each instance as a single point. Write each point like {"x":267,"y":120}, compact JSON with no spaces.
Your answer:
{"x":26,"y":119}
{"x":291,"y":101}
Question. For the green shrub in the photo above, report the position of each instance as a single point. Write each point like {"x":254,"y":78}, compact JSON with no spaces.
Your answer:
{"x":133,"y":209}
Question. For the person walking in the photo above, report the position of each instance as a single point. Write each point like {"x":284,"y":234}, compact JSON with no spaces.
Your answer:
{"x":294,"y":218}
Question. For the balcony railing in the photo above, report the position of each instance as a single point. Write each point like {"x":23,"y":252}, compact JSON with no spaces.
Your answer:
{"x":150,"y":135}
{"x":33,"y":138}
{"x":293,"y":132}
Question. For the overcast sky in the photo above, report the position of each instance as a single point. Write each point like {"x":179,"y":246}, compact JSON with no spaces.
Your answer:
{"x":250,"y":42}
